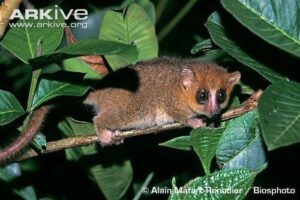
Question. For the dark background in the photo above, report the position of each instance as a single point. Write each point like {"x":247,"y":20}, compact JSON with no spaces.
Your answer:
{"x":54,"y":177}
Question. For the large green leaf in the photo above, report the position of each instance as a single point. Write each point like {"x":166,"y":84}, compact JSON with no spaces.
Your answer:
{"x":91,"y":47}
{"x":22,"y":39}
{"x":205,"y":141}
{"x":132,"y":27}
{"x":49,"y":89}
{"x":112,"y":174}
{"x":276,"y":21}
{"x":10,"y":108}
{"x":240,"y":145}
{"x":279,"y":114}
{"x":219,"y":36}
{"x":214,"y":186}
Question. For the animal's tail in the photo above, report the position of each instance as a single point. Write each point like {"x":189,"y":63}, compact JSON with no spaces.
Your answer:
{"x":33,"y":126}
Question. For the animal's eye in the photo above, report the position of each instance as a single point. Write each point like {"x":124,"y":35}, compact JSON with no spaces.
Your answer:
{"x":202,"y":96}
{"x":221,"y":95}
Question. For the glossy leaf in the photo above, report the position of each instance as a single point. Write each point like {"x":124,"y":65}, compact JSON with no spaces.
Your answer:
{"x":180,"y":143}
{"x":132,"y":27}
{"x":10,"y":108}
{"x":241,"y":145}
{"x":219,"y":36}
{"x":90,"y":47}
{"x":277,"y":21}
{"x":28,"y":37}
{"x":101,"y":168}
{"x":205,"y":141}
{"x":49,"y":89}
{"x":238,"y":181}
{"x":279,"y":114}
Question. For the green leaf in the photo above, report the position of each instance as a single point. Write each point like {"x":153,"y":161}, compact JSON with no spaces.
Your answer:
{"x":147,"y":5}
{"x":279,"y":114}
{"x":203,"y":45}
{"x":241,"y":145}
{"x":219,"y":36}
{"x":77,"y":65}
{"x":49,"y":89}
{"x":103,"y":167}
{"x":90,"y":47}
{"x":132,"y":27}
{"x":27,"y":193}
{"x":181,"y":143}
{"x":205,"y":141}
{"x":27,"y":38}
{"x":234,"y":183}
{"x":10,"y":108}
{"x":277,"y":22}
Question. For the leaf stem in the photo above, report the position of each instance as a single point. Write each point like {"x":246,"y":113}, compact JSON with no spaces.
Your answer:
{"x":167,"y":29}
{"x":33,"y":85}
{"x":34,"y":82}
{"x":35,"y":76}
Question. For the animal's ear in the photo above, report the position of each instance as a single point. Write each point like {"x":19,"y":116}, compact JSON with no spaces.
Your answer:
{"x":187,"y":77}
{"x":234,"y":77}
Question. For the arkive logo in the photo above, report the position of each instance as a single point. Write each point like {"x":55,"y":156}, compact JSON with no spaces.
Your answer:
{"x":50,"y":14}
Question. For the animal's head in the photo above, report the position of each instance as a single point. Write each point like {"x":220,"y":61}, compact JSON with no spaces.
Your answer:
{"x":207,"y":87}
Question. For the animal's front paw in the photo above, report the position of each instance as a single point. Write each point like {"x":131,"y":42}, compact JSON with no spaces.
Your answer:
{"x":195,"y":123}
{"x":108,"y":137}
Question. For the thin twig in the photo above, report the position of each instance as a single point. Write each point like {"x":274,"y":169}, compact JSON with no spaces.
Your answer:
{"x":245,"y":107}
{"x":85,"y":140}
{"x":160,"y":8}
{"x":167,"y":29}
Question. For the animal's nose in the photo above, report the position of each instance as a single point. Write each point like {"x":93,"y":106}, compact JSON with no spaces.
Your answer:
{"x":215,"y":112}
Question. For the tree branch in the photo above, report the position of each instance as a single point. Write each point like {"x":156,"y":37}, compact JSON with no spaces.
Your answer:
{"x":85,"y":140}
{"x":6,"y":9}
